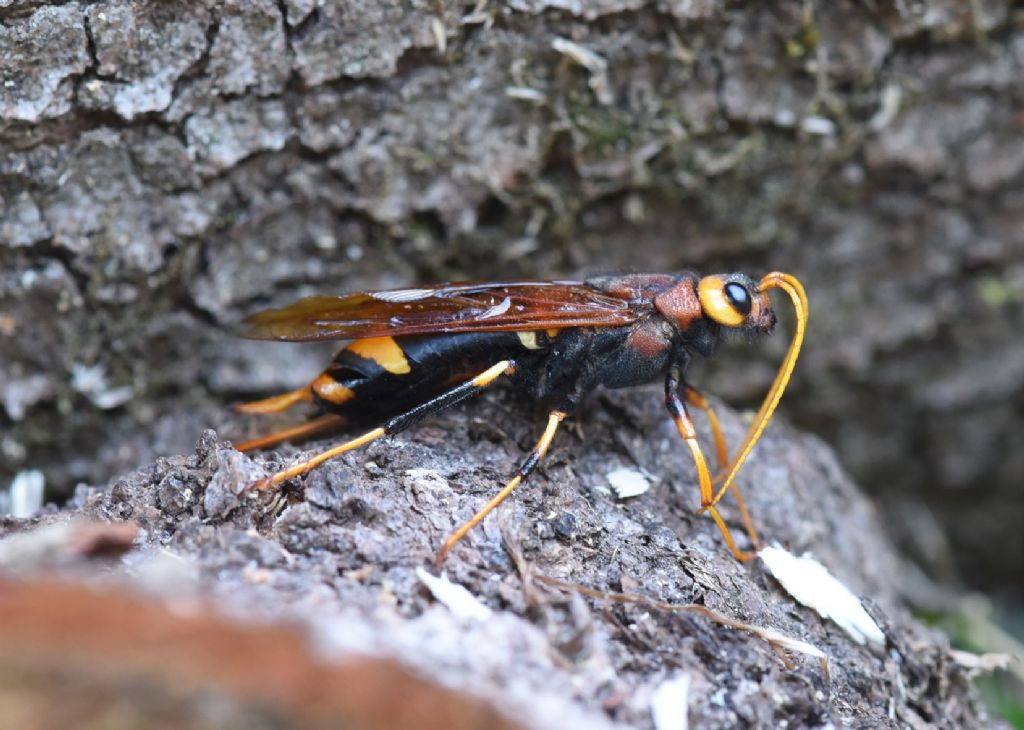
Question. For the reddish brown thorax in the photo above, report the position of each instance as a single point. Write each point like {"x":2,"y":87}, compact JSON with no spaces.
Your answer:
{"x":635,"y":287}
{"x":680,"y":304}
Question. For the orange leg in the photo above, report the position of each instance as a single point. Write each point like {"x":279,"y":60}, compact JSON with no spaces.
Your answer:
{"x":393,"y":426}
{"x":680,"y":416}
{"x":277,"y":403}
{"x":324,"y":423}
{"x":695,"y":399}
{"x":324,"y":388}
{"x":554,"y":418}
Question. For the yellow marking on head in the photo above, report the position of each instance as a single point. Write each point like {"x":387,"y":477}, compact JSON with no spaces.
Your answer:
{"x":715,"y":304}
{"x":552,"y":333}
{"x":384,"y":351}
{"x":331,"y":390}
{"x":528,"y":340}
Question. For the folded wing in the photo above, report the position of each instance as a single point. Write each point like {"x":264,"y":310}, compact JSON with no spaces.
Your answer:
{"x":458,"y":307}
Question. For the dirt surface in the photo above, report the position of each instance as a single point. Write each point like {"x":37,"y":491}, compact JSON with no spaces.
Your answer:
{"x":336,"y":556}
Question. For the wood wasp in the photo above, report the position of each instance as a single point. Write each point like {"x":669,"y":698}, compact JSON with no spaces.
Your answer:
{"x":414,"y":352}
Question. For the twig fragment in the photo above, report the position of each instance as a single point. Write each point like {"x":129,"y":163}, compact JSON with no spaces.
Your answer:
{"x":780,"y":643}
{"x":592,"y":62}
{"x":776,"y":640}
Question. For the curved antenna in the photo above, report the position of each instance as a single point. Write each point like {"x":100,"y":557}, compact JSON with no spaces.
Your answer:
{"x":792,"y":286}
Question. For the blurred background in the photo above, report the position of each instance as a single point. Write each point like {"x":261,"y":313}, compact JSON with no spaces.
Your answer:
{"x":166,"y":168}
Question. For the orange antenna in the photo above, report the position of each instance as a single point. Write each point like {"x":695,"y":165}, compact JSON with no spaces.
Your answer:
{"x":795,"y":290}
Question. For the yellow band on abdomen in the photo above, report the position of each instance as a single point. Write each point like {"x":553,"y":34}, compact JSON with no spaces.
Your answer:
{"x":384,"y":351}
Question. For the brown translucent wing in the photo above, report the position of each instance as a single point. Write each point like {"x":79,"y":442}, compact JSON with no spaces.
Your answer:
{"x":460,"y":307}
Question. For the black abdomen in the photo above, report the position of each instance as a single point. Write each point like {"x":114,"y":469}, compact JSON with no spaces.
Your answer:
{"x":374,"y":379}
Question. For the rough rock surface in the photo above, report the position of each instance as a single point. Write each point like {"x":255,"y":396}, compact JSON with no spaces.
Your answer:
{"x":337,"y":554}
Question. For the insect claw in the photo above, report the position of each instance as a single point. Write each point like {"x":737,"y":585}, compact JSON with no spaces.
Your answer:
{"x":259,"y":485}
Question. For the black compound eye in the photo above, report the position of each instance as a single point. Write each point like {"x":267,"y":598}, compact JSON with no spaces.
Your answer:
{"x":738,"y":297}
